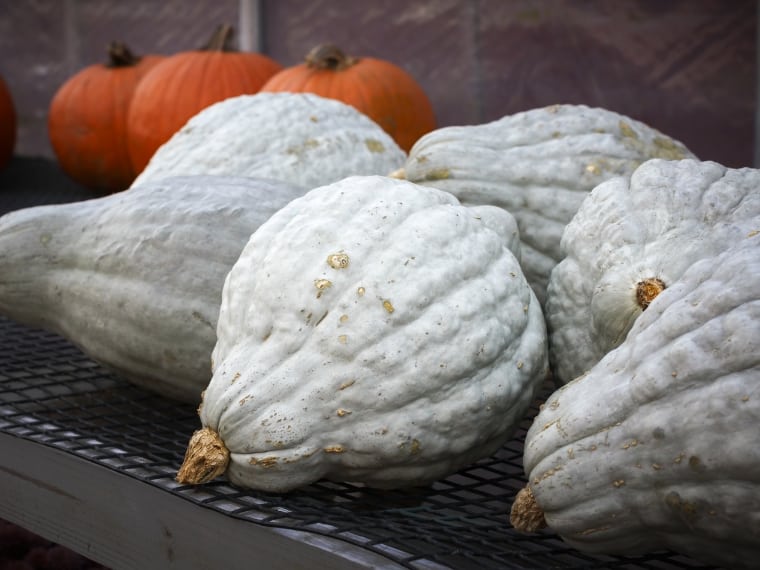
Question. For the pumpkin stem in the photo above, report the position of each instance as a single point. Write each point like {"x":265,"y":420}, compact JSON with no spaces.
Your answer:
{"x":647,"y":290}
{"x":205,"y":459}
{"x":328,"y":56}
{"x":221,"y":39}
{"x":526,"y":516}
{"x":119,"y":55}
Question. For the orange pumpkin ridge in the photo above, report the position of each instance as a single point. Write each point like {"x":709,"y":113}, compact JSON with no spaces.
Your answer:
{"x":87,"y":120}
{"x":380,"y":89}
{"x":186,"y":83}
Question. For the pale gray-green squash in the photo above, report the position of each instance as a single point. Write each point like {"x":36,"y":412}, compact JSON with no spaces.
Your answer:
{"x":135,"y":279}
{"x":630,"y":238}
{"x":300,"y":138}
{"x":539,"y":165}
{"x":373,"y":331}
{"x":656,"y":446}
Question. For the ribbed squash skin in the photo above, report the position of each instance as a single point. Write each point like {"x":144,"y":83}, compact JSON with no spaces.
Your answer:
{"x":301,"y":138}
{"x":656,"y":447}
{"x":135,"y":278}
{"x":654,"y":225}
{"x":539,"y":165}
{"x":373,"y":331}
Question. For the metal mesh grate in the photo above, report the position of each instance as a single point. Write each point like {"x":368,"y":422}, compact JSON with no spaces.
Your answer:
{"x":52,"y":394}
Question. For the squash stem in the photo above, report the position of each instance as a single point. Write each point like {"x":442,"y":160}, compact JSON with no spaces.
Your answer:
{"x":526,"y":516}
{"x":205,"y":459}
{"x":647,"y":289}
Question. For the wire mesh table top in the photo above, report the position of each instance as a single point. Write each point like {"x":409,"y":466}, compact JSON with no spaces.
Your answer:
{"x":52,"y":394}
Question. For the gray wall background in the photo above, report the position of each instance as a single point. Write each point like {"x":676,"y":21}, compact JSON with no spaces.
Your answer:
{"x":686,"y":67}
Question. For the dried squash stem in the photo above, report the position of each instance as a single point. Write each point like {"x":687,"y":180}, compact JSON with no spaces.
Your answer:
{"x":526,"y":515}
{"x":647,"y":290}
{"x":205,"y":459}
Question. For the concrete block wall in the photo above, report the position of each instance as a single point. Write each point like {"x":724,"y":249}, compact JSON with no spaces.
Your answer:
{"x":686,"y":67}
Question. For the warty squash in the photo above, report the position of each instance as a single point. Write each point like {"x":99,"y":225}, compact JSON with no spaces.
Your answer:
{"x":656,"y":447}
{"x":539,"y":165}
{"x":630,"y":239}
{"x":301,"y":138}
{"x":372,"y":331}
{"x":135,"y":278}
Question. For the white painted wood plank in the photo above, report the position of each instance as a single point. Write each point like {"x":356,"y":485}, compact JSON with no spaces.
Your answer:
{"x":125,"y":523}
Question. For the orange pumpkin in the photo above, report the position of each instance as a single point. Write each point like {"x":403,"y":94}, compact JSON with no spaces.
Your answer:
{"x":7,"y":124}
{"x":185,"y":84}
{"x":87,"y":120}
{"x":379,"y":89}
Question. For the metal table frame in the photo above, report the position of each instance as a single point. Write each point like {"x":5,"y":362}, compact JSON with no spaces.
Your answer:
{"x":88,"y":460}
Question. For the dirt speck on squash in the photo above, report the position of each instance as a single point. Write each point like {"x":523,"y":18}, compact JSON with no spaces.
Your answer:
{"x":593,"y":169}
{"x":265,"y":462}
{"x":338,"y":260}
{"x":695,"y":464}
{"x":374,"y":145}
{"x":668,"y":149}
{"x":627,"y":131}
{"x":437,"y":174}
{"x":322,"y":285}
{"x":678,"y":503}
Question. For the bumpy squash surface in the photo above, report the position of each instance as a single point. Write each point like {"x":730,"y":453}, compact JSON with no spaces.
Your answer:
{"x":656,"y":447}
{"x":629,"y":240}
{"x":539,"y":165}
{"x":135,"y":278}
{"x":374,"y":331}
{"x":301,"y":138}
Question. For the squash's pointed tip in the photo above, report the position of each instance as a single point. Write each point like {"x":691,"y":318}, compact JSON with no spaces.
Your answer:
{"x":526,"y":516}
{"x":205,"y":459}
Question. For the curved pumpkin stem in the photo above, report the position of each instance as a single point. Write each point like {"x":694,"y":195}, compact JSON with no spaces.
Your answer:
{"x":526,"y":516}
{"x":205,"y":459}
{"x":119,"y":55}
{"x":329,"y":56}
{"x":647,"y":290}
{"x":221,"y":39}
